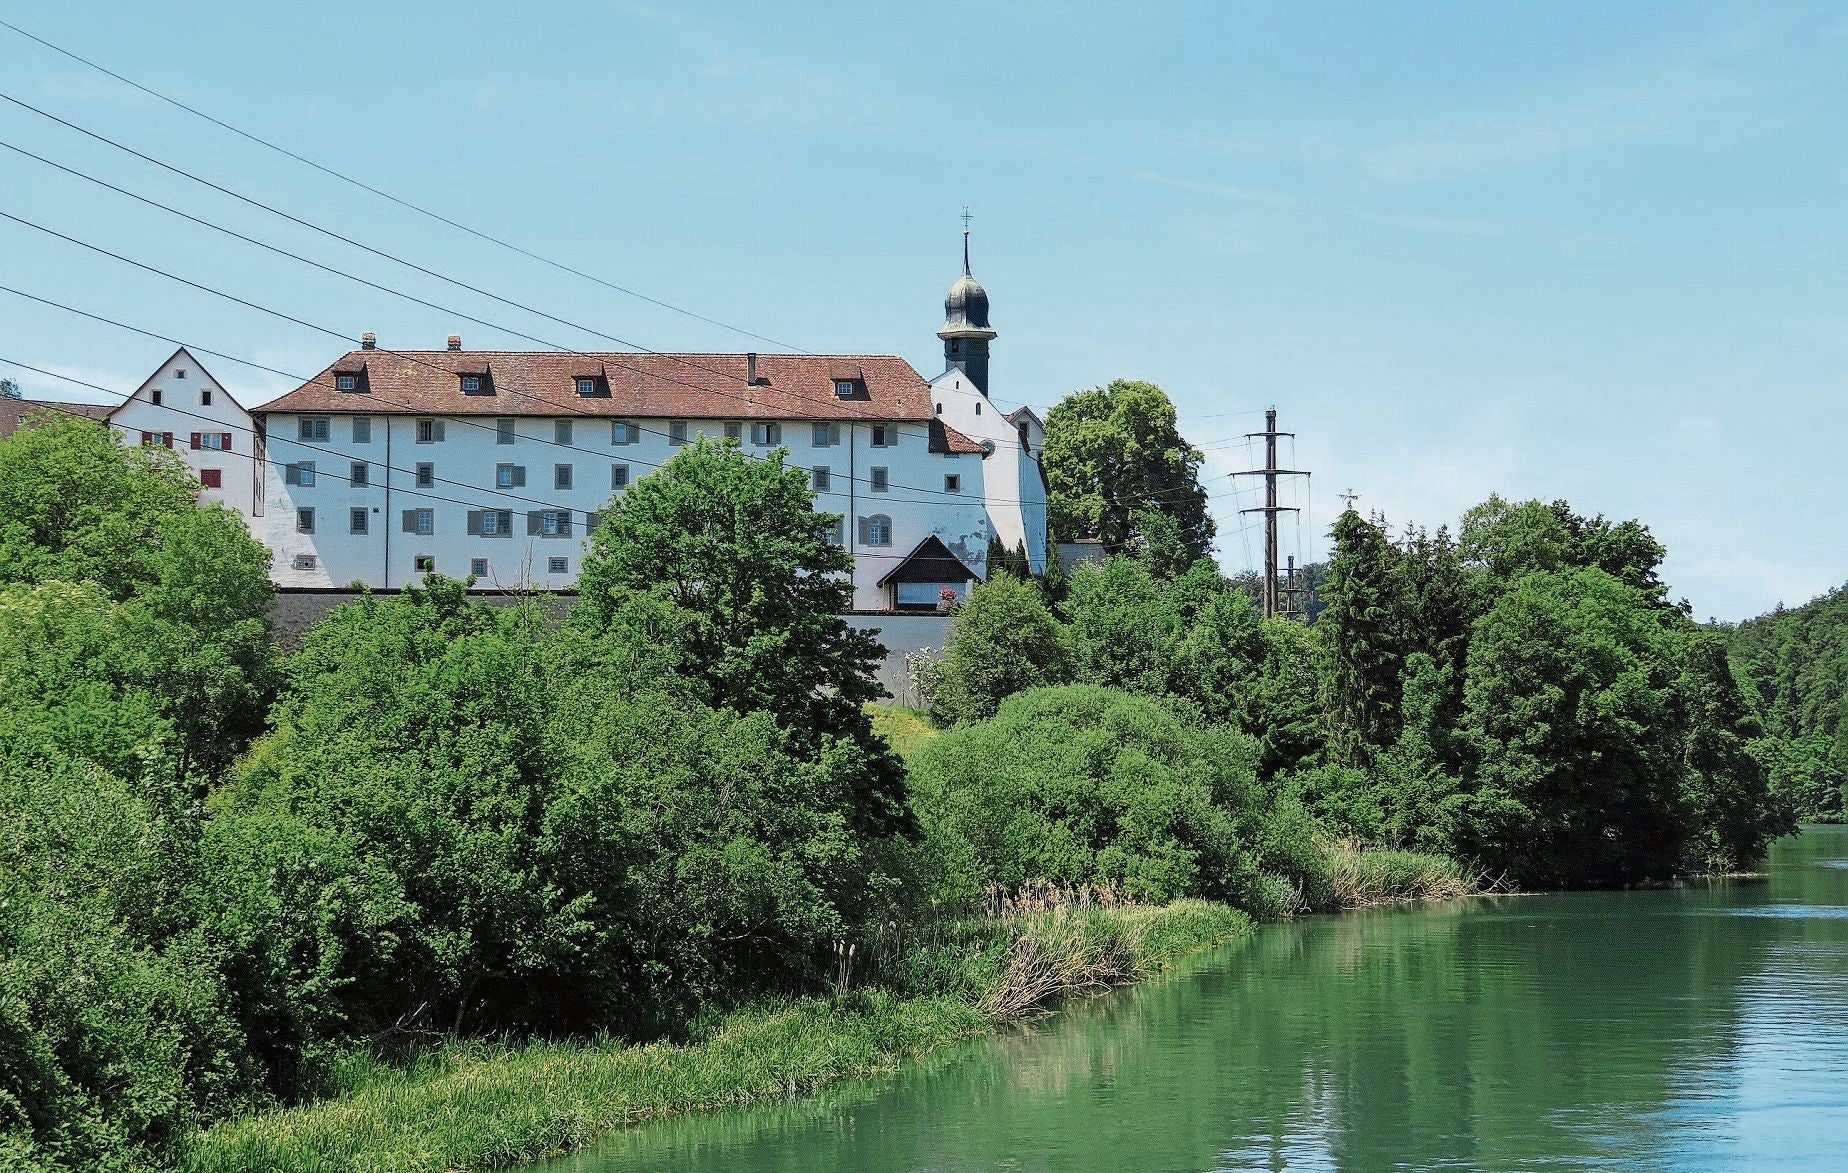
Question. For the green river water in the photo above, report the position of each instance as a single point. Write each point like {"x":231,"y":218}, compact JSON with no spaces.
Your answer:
{"x":1699,"y":1028}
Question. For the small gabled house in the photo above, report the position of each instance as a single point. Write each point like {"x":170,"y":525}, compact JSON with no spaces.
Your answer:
{"x":183,"y":407}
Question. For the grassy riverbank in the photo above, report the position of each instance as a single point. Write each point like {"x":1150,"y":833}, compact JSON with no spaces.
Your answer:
{"x":480,"y":1106}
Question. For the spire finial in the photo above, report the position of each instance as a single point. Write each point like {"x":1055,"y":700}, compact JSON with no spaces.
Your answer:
{"x":966,"y":217}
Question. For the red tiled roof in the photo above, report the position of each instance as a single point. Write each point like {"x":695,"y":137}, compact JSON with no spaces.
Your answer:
{"x":13,"y":412}
{"x":658,"y":386}
{"x":944,"y":438}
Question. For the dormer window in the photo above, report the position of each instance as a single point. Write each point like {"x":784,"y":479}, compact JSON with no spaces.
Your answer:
{"x":595,"y":385}
{"x":346,"y":382}
{"x":471,"y":384}
{"x":843,"y":388}
{"x":587,"y":386}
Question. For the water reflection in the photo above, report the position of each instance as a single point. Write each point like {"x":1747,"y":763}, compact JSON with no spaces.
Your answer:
{"x":1705,"y":1027}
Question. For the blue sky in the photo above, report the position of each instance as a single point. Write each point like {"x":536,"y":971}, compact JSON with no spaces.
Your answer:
{"x":1588,"y":251}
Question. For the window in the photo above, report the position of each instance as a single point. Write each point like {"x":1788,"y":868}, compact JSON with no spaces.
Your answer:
{"x":304,"y":562}
{"x":157,"y":439}
{"x":154,"y":396}
{"x":429,"y":431}
{"x":624,"y":432}
{"x":952,"y":482}
{"x":549,"y":523}
{"x":876,"y":530}
{"x":881,"y":480}
{"x":557,"y":566}
{"x":426,"y":475}
{"x":362,"y":429}
{"x":503,"y":431}
{"x":358,"y":521}
{"x":837,"y":532}
{"x":424,"y":564}
{"x":180,"y":373}
{"x":619,"y":476}
{"x":844,"y":388}
{"x":205,"y":397}
{"x":491,"y":523}
{"x":360,"y":475}
{"x":471,"y":384}
{"x":734,"y":431}
{"x":561,"y":476}
{"x":478,"y":567}
{"x":312,"y":428}
{"x":818,"y":478}
{"x":346,"y":382}
{"x":304,"y":520}
{"x":211,"y":441}
{"x":561,"y":431}
{"x":885,"y":435}
{"x":940,"y":409}
{"x":978,"y":409}
{"x":765,"y":435}
{"x":299,"y":473}
{"x":212,"y":478}
{"x":586,"y":386}
{"x":510,"y":476}
{"x":423,"y":522}
{"x":826,"y":435}
{"x":677,"y":432}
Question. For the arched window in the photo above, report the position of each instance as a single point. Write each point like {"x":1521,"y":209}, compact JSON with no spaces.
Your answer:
{"x":876,"y":530}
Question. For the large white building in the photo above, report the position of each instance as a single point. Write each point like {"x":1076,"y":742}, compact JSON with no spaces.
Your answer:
{"x":392,"y":464}
{"x":182,"y":407}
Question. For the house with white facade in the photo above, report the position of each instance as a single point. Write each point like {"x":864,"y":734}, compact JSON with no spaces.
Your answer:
{"x":182,"y":407}
{"x":390,"y":465}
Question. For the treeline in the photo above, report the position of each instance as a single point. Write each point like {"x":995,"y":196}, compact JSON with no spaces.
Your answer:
{"x":1523,"y":697}
{"x":1796,"y":662}
{"x":224,"y":874}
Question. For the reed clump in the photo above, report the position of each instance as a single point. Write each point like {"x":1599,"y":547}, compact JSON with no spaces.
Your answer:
{"x":1366,"y":877}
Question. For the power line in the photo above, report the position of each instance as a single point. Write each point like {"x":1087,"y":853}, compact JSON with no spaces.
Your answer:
{"x":398,"y":200}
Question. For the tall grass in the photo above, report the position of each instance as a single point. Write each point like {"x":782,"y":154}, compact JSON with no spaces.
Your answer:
{"x":908,"y":730}
{"x":1364,"y":877}
{"x":483,"y":1106}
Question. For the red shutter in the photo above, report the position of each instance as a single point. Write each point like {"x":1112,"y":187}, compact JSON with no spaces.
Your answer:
{"x":225,"y":441}
{"x":195,"y":441}
{"x":166,"y":439}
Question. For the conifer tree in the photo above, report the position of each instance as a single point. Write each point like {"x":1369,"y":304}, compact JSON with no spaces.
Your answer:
{"x":1366,"y":656}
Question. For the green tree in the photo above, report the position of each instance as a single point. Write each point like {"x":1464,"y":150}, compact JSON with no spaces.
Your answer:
{"x":1003,"y":640}
{"x":1113,"y":452}
{"x":1362,"y":628}
{"x":1125,"y":627}
{"x":9,"y":389}
{"x":1732,"y":812}
{"x":1574,"y":710}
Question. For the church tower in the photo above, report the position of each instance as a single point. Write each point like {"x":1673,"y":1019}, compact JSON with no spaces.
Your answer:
{"x":966,"y":332}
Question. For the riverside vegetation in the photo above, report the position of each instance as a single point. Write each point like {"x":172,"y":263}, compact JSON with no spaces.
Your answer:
{"x":454,"y":886}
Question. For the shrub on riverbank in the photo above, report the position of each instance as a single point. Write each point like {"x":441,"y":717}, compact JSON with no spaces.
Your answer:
{"x":477,"y":1105}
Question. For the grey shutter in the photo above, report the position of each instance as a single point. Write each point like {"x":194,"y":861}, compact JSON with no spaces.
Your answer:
{"x":834,"y":434}
{"x":506,"y":523}
{"x":534,"y":527}
{"x":436,"y":430}
{"x":410,"y":521}
{"x":291,"y":474}
{"x":564,"y":523}
{"x":864,"y":540}
{"x":519,"y":476}
{"x":591,"y":522}
{"x":474,"y":523}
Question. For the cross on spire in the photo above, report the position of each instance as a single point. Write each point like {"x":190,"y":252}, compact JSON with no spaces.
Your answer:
{"x":966,"y":217}
{"x":1350,"y":497}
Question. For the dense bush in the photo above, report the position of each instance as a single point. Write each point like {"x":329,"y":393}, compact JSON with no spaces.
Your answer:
{"x":1088,"y":785}
{"x":1003,"y":640}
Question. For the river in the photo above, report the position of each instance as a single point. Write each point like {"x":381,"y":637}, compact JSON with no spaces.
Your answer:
{"x":1704,"y":1027}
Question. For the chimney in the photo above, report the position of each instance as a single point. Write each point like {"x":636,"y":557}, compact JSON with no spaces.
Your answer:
{"x":368,"y":341}
{"x":455,"y":342}
{"x":750,"y":369}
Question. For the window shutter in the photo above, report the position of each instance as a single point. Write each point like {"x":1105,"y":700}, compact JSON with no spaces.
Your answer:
{"x":474,"y":523}
{"x":519,"y":476}
{"x":410,"y":521}
{"x":591,"y":522}
{"x":534,"y":527}
{"x":436,"y":430}
{"x":195,"y":441}
{"x":834,"y":434}
{"x":564,"y":523}
{"x":864,"y":540}
{"x":224,"y":441}
{"x":291,"y":474}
